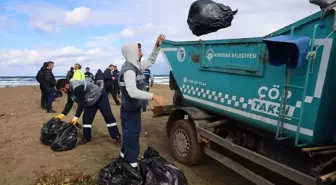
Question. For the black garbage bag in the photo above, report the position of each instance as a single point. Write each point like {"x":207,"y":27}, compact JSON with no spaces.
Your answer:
{"x":119,"y":173}
{"x":207,"y":16}
{"x":156,"y":170}
{"x":66,"y":139}
{"x":323,"y":3}
{"x":50,"y":129}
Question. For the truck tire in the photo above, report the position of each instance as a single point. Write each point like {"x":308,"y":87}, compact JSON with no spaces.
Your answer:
{"x":184,"y":144}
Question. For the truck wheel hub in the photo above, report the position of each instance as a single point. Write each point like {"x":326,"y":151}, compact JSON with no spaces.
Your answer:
{"x":181,"y":142}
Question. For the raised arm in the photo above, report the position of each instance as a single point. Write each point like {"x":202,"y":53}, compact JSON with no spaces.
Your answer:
{"x":152,"y":58}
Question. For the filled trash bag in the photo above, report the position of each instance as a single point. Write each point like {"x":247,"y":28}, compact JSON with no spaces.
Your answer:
{"x":50,"y":129}
{"x":207,"y":16}
{"x":119,"y":173}
{"x":323,"y":3}
{"x":156,"y":170}
{"x":66,"y":139}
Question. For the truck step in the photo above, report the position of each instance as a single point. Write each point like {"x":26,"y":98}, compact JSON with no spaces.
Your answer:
{"x":290,"y":117}
{"x":294,"y":86}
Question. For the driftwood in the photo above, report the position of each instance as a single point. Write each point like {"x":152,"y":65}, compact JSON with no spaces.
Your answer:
{"x":327,"y":179}
{"x":159,"y":111}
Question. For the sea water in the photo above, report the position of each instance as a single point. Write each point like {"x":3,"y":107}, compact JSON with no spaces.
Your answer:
{"x":13,"y":81}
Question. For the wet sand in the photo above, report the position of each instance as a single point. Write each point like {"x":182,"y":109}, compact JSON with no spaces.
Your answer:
{"x":23,"y":158}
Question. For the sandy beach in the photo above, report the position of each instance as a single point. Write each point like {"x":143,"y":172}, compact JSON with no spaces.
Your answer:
{"x":23,"y":159}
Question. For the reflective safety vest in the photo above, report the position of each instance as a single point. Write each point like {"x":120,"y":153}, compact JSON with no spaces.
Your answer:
{"x":92,"y":92}
{"x":78,"y":75}
{"x":131,"y":104}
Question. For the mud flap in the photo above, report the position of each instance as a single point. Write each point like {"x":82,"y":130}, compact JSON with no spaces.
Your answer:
{"x":159,"y":111}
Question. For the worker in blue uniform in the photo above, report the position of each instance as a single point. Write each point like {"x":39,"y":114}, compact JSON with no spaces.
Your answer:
{"x":89,"y":97}
{"x":149,"y":81}
{"x":132,"y":86}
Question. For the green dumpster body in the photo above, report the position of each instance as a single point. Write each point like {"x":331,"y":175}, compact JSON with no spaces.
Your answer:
{"x":246,"y":79}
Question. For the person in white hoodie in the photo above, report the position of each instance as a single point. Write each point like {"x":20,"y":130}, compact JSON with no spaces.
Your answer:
{"x":132,"y":86}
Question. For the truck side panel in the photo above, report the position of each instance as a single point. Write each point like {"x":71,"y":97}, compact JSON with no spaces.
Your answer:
{"x":233,"y":78}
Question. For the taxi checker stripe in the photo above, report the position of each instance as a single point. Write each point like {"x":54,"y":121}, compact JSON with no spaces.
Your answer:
{"x":230,"y":100}
{"x":273,"y":122}
{"x":111,"y":124}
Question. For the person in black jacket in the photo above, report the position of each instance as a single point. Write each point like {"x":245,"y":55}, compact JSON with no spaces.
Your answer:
{"x":70,"y":73}
{"x":49,"y":84}
{"x":115,"y":76}
{"x":108,"y":83}
{"x":38,"y":79}
{"x":99,"y":78}
{"x":88,"y":75}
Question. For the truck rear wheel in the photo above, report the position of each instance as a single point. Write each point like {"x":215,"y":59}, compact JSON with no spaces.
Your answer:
{"x":184,"y":144}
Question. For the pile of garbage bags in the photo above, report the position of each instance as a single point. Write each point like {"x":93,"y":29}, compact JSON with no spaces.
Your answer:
{"x":207,"y":16}
{"x":59,"y":135}
{"x":153,"y":170}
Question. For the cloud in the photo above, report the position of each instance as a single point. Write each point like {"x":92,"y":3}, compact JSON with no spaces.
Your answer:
{"x":254,"y":19}
{"x":49,"y":18}
{"x":140,"y":21}
{"x":77,"y":16}
{"x":136,"y":33}
{"x":127,"y":33}
{"x":63,"y":57}
{"x":173,"y":13}
{"x":3,"y":19}
{"x":102,"y":41}
{"x":5,"y":22}
{"x":42,"y":26}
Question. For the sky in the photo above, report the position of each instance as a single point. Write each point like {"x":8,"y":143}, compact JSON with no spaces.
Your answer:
{"x":92,"y":32}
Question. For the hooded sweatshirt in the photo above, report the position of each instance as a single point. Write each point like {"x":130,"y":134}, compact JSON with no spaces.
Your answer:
{"x":130,"y":52}
{"x":99,"y":75}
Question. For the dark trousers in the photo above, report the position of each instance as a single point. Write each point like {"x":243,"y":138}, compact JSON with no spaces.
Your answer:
{"x":131,"y":128}
{"x":117,"y":89}
{"x":110,"y":89}
{"x":103,"y":105}
{"x":50,"y":97}
{"x":43,"y":98}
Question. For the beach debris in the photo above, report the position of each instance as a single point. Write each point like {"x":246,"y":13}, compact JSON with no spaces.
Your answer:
{"x":64,"y":177}
{"x":50,"y":130}
{"x":159,"y":111}
{"x":119,"y":173}
{"x":153,"y":169}
{"x":66,"y":139}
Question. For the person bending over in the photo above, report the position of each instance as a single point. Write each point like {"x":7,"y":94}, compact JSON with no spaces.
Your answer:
{"x":89,"y":97}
